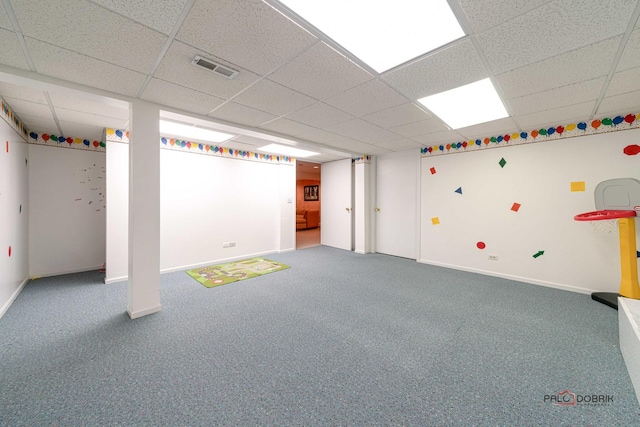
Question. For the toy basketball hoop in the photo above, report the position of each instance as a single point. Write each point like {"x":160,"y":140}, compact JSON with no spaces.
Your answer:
{"x":618,"y":201}
{"x":606,"y":220}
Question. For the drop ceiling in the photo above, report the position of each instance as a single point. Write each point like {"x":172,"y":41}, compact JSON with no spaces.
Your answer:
{"x":552,"y":62}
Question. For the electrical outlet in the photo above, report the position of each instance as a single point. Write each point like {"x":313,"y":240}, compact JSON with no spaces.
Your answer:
{"x":228,"y":244}
{"x":493,"y":257}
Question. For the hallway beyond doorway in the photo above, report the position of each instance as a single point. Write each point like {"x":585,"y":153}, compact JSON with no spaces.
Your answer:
{"x":307,"y":238}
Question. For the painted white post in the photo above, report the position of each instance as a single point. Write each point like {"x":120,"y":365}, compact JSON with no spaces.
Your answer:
{"x":363,"y":208}
{"x":144,"y":209}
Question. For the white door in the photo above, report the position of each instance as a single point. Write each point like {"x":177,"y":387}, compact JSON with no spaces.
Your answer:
{"x":396,"y":204}
{"x":335,"y":211}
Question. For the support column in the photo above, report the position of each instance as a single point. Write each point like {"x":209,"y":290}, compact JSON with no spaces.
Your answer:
{"x":363,"y":206}
{"x":144,"y":210}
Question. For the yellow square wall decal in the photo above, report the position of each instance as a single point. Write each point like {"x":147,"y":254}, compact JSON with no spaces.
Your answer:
{"x":435,"y":220}
{"x":578,"y":186}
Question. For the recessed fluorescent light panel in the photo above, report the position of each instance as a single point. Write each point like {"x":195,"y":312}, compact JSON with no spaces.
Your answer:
{"x":383,"y":34}
{"x":187,"y":131}
{"x":467,"y":105}
{"x":287,"y":151}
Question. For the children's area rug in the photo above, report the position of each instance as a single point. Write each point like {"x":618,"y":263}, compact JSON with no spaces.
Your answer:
{"x":221,"y":274}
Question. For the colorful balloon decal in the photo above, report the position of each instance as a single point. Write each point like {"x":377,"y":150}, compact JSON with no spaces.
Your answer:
{"x":13,"y":119}
{"x":481,"y":245}
{"x":607,"y":124}
{"x":631,"y":150}
{"x":200,"y":148}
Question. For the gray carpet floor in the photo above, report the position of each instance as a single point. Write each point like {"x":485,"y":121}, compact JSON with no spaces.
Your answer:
{"x":337,"y":339}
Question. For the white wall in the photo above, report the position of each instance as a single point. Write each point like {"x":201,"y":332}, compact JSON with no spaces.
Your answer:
{"x":287,"y":201}
{"x":207,"y":200}
{"x":14,"y":211}
{"x":537,"y":176}
{"x":67,"y":210}
{"x":117,"y":216}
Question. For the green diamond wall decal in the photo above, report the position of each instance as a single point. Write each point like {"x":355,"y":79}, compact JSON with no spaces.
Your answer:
{"x":502,"y":162}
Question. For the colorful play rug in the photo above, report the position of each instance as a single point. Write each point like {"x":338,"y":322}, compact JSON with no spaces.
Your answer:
{"x":221,"y":274}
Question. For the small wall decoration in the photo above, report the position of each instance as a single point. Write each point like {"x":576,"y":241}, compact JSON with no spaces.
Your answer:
{"x":311,"y":193}
{"x":578,"y":186}
{"x":631,"y":150}
{"x":435,"y":220}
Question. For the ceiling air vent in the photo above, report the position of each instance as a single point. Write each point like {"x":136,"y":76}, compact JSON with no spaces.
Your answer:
{"x":215,"y":67}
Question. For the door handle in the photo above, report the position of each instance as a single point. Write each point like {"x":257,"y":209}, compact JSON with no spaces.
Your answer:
{"x":348,"y":209}
{"x":377,"y":209}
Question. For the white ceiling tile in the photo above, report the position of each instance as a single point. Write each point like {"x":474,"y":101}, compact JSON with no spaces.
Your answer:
{"x":92,"y":31}
{"x":557,"y":116}
{"x":399,"y":144}
{"x":354,"y":146}
{"x":33,"y":109}
{"x":169,"y":94}
{"x":558,"y":27}
{"x":68,"y":102}
{"x":21,"y":92}
{"x":483,"y":15}
{"x":241,"y":114}
{"x":248,"y":33}
{"x":248,"y":141}
{"x":273,"y":98}
{"x":4,"y":19}
{"x":299,"y":130}
{"x":82,"y":130}
{"x":363,"y":131}
{"x":419,"y":128}
{"x":448,"y":68}
{"x":437,"y":138}
{"x":11,"y":53}
{"x":89,"y":119}
{"x":320,"y":72}
{"x":578,"y":65}
{"x":559,"y":97}
{"x":40,"y":124}
{"x":320,"y":115}
{"x":620,"y":104}
{"x":367,"y":98}
{"x":631,"y":56}
{"x":176,"y":67}
{"x":492,"y":128}
{"x":397,"y":116}
{"x":161,"y":15}
{"x":71,"y":66}
{"x":624,"y":82}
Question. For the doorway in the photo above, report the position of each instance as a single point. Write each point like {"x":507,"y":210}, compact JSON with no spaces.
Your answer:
{"x":308,"y":191}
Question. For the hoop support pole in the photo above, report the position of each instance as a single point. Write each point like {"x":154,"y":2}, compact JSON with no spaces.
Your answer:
{"x":629,"y":286}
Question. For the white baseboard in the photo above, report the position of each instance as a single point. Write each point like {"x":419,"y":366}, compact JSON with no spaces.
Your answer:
{"x":60,"y":273}
{"x":115,"y":280}
{"x":13,"y":297}
{"x":145,"y":312}
{"x":528,"y":280}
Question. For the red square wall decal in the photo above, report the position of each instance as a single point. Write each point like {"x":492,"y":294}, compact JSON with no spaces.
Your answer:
{"x":432,"y":170}
{"x":515,"y":207}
